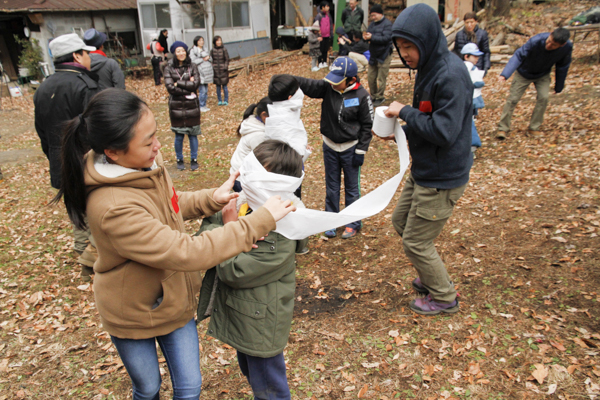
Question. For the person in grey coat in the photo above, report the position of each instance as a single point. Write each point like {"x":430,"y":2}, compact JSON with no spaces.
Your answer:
{"x":108,"y":70}
{"x":201,"y":58}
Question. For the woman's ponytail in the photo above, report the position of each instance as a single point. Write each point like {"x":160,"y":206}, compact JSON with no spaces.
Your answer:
{"x":74,"y":147}
{"x":108,"y":123}
{"x":249,"y":111}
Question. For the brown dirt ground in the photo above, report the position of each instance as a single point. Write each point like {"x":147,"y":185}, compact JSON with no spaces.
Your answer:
{"x":522,"y":247}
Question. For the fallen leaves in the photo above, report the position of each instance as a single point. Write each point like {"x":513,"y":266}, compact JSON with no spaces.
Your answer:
{"x":540,"y":373}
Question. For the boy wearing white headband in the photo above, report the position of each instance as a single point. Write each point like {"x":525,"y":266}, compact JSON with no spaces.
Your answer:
{"x":253,"y":306}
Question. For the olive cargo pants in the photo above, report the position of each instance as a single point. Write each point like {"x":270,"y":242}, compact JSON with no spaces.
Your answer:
{"x":517,"y":89}
{"x":419,"y":217}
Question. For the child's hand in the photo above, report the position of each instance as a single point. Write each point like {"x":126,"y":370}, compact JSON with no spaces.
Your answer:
{"x":320,"y":39}
{"x":394,"y":109}
{"x":278,"y":208}
{"x":222,"y":195}
{"x":192,"y":79}
{"x":229,"y":212}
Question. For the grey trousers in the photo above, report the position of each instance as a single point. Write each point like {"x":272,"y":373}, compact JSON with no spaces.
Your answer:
{"x":419,"y":217}
{"x":377,"y":77}
{"x":517,"y":89}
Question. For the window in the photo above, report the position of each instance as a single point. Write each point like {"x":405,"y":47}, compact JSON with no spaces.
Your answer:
{"x":229,"y":14}
{"x":156,"y":16}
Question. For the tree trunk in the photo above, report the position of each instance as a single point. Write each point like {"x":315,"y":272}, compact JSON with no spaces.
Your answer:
{"x":500,"y":8}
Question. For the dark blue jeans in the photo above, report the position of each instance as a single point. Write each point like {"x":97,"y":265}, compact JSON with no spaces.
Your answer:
{"x":179,"y":146}
{"x":182,"y":353}
{"x":335,"y":163}
{"x":225,"y":91}
{"x":202,"y":94}
{"x":267,"y":376}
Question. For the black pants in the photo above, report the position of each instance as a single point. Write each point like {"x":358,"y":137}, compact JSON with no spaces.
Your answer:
{"x":156,"y":69}
{"x":325,"y":44}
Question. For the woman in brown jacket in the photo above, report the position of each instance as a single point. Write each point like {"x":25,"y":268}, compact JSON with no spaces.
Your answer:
{"x":182,"y":80}
{"x":220,"y":58}
{"x":148,"y":268}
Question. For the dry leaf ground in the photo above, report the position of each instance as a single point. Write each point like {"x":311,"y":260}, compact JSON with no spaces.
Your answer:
{"x":522,"y":247}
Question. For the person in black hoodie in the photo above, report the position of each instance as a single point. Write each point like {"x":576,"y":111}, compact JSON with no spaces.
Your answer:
{"x":438,"y":129}
{"x":346,"y":122}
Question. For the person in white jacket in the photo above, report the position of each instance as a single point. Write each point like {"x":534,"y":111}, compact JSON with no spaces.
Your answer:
{"x":251,"y":132}
{"x":201,"y":58}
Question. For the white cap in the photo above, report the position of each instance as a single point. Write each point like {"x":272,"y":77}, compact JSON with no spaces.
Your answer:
{"x":67,"y":44}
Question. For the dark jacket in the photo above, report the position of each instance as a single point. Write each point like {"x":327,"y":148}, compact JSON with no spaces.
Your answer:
{"x":184,"y":112}
{"x":533,"y":61}
{"x":481,"y":41}
{"x":359,"y":47}
{"x":380,"y":44}
{"x":438,"y":125}
{"x":353,"y":19}
{"x":108,"y":70}
{"x":220,"y":58}
{"x":60,"y":98}
{"x":345,"y":117}
{"x":252,"y":295}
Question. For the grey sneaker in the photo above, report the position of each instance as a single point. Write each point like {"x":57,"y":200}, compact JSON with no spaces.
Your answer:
{"x":427,"y":306}
{"x":194,"y":164}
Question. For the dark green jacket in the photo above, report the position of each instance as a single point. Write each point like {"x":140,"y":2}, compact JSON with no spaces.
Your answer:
{"x":250,"y":297}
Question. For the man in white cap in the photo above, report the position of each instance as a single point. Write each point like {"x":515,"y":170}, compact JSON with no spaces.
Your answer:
{"x":108,"y":70}
{"x":61,"y":97}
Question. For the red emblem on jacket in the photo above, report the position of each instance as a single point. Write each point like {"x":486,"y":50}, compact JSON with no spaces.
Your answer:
{"x":425,"y":106}
{"x":174,"y":201}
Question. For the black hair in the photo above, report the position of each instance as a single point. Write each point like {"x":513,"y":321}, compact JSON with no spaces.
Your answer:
{"x":282,"y":86}
{"x":67,"y":57}
{"x":215,"y":40}
{"x":355,"y":35}
{"x":324,"y":3}
{"x":561,"y":35}
{"x":108,"y":122}
{"x":257,"y":109}
{"x":279,"y":158}
{"x":163,"y":31}
{"x":196,"y":40}
{"x":470,"y":15}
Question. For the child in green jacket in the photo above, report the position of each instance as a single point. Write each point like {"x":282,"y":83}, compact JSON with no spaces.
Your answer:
{"x":250,"y":297}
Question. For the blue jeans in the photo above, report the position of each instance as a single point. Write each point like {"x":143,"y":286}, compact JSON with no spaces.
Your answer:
{"x":475,"y":140}
{"x":335,"y":163}
{"x":179,"y":146}
{"x":225,"y":90}
{"x":182,"y":353}
{"x":203,"y":94}
{"x":266,"y":376}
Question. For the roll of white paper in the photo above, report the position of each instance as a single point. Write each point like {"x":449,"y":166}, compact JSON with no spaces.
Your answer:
{"x":382,"y":125}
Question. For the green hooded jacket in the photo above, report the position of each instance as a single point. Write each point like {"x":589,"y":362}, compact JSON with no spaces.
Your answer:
{"x":250,"y":297}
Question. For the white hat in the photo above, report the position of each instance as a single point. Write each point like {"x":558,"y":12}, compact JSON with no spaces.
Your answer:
{"x":67,"y":44}
{"x":471,"y":48}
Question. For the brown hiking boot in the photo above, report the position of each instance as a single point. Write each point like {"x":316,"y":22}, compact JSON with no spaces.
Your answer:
{"x":500,"y":135}
{"x":86,"y":273}
{"x":89,"y":256}
{"x":532,"y":133}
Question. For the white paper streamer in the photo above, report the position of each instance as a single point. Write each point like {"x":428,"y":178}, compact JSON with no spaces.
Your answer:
{"x":258,"y":186}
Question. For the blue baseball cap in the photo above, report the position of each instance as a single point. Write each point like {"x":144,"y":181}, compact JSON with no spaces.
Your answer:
{"x":342,"y":68}
{"x":471,"y":48}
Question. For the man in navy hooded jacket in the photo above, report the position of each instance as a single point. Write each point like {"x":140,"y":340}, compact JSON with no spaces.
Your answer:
{"x":438,"y":129}
{"x":533,"y":63}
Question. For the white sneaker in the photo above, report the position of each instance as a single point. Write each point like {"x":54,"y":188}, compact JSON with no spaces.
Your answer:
{"x":314,"y":69}
{"x":204,"y":109}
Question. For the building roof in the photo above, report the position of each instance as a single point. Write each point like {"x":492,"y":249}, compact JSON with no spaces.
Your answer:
{"x":65,"y":5}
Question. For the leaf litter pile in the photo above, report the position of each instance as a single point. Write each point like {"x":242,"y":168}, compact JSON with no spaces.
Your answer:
{"x":521,"y":247}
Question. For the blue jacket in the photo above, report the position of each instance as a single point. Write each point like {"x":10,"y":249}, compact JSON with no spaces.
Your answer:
{"x":438,"y":125}
{"x":482,"y":42}
{"x":533,"y":61}
{"x":380,"y":44}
